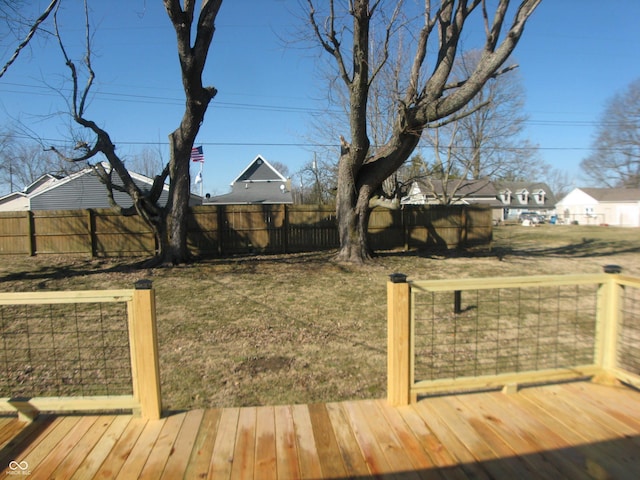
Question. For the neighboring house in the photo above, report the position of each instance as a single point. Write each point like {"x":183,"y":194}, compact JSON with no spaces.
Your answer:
{"x":19,"y":201}
{"x":458,"y":192}
{"x":597,"y":206}
{"x":520,"y":197}
{"x":258,"y":183}
{"x":507,"y":199}
{"x":80,"y":190}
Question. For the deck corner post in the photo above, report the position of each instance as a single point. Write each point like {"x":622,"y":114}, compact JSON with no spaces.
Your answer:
{"x":610,"y":298}
{"x":398,"y":340}
{"x":145,"y":363}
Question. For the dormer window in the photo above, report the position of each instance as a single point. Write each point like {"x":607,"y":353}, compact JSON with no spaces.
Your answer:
{"x":523,"y":196}
{"x":539,"y":196}
{"x":505,"y":196}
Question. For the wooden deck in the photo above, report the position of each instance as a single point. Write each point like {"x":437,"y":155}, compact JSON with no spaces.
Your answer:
{"x":573,"y":430}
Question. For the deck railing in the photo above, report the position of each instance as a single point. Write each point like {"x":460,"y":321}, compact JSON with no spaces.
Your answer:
{"x":80,"y":351}
{"x":468,"y":334}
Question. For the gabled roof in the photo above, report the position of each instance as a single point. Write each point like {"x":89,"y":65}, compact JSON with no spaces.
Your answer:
{"x":458,"y":190}
{"x":12,"y":196}
{"x":57,"y":181}
{"x":79,"y":190}
{"x":258,"y":183}
{"x":531,"y":188}
{"x":254,"y":193}
{"x":613,"y":194}
{"x":41,"y":183}
{"x":259,"y":170}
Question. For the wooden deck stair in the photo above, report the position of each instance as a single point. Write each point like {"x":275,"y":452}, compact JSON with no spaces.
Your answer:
{"x":571,"y":430}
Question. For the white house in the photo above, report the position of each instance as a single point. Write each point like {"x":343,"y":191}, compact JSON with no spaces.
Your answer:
{"x":601,"y":206}
{"x":19,"y":201}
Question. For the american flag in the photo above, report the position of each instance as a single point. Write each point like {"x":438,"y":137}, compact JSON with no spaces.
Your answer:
{"x":196,"y":154}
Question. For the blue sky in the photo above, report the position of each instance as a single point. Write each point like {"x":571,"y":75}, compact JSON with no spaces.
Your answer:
{"x":575,"y":54}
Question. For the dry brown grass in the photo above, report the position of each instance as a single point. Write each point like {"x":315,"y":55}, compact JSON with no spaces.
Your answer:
{"x":300,"y":328}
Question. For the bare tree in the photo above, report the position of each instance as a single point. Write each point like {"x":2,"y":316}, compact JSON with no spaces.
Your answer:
{"x":422,"y":100}
{"x":168,"y":222}
{"x":615,"y":155}
{"x":23,"y":161}
{"x":317,"y":181}
{"x":488,"y":143}
{"x":148,"y":161}
{"x":559,"y":182}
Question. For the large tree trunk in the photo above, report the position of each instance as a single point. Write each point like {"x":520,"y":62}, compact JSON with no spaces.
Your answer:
{"x":174,"y":248}
{"x":352,"y":211}
{"x":356,"y":188}
{"x":192,"y":54}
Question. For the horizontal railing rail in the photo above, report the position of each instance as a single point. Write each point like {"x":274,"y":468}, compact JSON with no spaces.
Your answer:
{"x":465,"y":334}
{"x":80,"y":351}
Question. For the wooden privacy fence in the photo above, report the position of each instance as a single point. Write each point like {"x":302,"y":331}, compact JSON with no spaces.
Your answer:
{"x":465,"y":334}
{"x":80,"y":351}
{"x":231,"y":229}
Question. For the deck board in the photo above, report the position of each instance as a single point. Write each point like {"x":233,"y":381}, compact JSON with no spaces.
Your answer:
{"x":91,"y":464}
{"x":184,"y":445}
{"x":573,"y":430}
{"x":286,"y":446}
{"x":222,"y":457}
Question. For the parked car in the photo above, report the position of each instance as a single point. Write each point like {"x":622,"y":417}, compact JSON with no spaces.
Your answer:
{"x":532,"y":217}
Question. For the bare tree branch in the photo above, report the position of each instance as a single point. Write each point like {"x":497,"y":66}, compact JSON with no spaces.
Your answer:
{"x":29,"y":36}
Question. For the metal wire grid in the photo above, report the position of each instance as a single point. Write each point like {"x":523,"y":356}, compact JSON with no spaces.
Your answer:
{"x":505,"y":330}
{"x":629,"y":331}
{"x":65,"y":350}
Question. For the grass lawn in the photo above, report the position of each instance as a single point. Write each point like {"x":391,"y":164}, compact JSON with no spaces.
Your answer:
{"x":300,"y":328}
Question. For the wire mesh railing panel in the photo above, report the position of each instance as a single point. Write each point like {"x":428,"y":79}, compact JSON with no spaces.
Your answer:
{"x":503,"y":330}
{"x":68,"y":349}
{"x":628,"y":353}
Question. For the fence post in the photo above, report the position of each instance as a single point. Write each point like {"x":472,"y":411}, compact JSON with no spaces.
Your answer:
{"x":398,"y":340}
{"x":143,"y":338}
{"x":31,"y":231}
{"x":91,"y":232}
{"x":457,"y":302}
{"x":220,"y":217}
{"x":285,"y":229}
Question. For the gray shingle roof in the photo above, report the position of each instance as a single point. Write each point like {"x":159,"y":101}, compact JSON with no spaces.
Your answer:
{"x":613,"y":194}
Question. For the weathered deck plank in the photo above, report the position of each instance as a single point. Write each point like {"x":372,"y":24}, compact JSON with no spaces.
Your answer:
{"x":577,"y":430}
{"x":184,"y":445}
{"x":286,"y":445}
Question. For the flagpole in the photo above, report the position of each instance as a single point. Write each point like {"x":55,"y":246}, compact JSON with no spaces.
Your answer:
{"x":198,"y":156}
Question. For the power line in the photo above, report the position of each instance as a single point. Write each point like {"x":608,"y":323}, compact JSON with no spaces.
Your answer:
{"x":320,"y":145}
{"x":215,"y":104}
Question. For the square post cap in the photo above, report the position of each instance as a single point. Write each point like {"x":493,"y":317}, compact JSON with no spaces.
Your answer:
{"x":398,"y":278}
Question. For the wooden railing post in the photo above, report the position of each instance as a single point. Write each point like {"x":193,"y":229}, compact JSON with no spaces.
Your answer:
{"x":398,"y":341}
{"x":143,"y":337}
{"x":608,"y":322}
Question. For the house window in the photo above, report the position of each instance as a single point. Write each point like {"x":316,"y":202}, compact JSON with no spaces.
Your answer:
{"x":523,"y":197}
{"x":539,"y":197}
{"x":505,"y":197}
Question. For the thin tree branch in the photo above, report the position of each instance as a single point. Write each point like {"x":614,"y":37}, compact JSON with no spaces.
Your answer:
{"x":461,"y":83}
{"x":30,"y":35}
{"x":458,"y":116}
